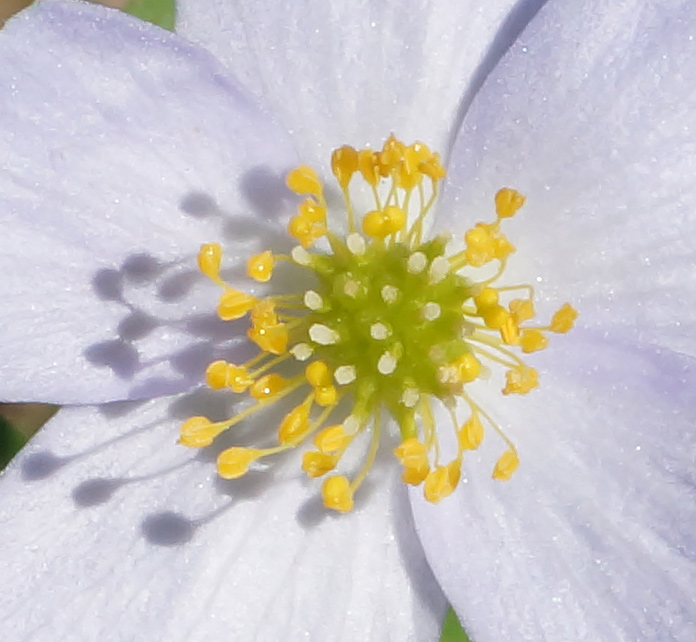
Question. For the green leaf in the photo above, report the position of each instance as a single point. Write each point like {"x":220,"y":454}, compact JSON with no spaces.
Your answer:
{"x":159,"y":12}
{"x":452,"y":631}
{"x":11,"y":441}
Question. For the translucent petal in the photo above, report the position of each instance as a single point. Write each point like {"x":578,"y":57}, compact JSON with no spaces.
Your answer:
{"x":594,"y":537}
{"x":123,"y":149}
{"x":593,"y":117}
{"x":353,"y":72}
{"x":112,"y":530}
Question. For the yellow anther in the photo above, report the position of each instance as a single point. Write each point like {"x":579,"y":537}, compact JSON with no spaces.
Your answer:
{"x":311,"y":211}
{"x":326,"y":395}
{"x":221,"y":374}
{"x":522,"y":310}
{"x":260,"y":266}
{"x":238,"y":378}
{"x":235,"y":462}
{"x":294,"y":425}
{"x":344,"y":163}
{"x":332,"y":440}
{"x":433,"y":169}
{"x":564,"y":319}
{"x":268,"y":386}
{"x":438,"y":484}
{"x":486,"y":298}
{"x":502,"y":248}
{"x":216,"y":375}
{"x":317,"y":464}
{"x":375,"y":225}
{"x":470,"y":435}
{"x":391,"y":155}
{"x":234,"y":304}
{"x":468,"y":368}
{"x":533,"y":340}
{"x":394,"y":218}
{"x":495,"y":316}
{"x":415,"y":475}
{"x":318,"y":374}
{"x":418,"y":153}
{"x":409,"y":174}
{"x":411,"y":451}
{"x":198,"y":432}
{"x":305,"y":231}
{"x":507,"y":202}
{"x":273,"y":338}
{"x":454,"y":472}
{"x":304,"y":180}
{"x":413,"y":456}
{"x":520,"y":380}
{"x":510,"y":332}
{"x":506,"y":465}
{"x":337,"y":494}
{"x":263,"y":314}
{"x":368,"y":164}
{"x":478,"y":236}
{"x":209,"y":257}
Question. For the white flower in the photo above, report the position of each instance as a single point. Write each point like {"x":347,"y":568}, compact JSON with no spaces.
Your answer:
{"x":124,"y":148}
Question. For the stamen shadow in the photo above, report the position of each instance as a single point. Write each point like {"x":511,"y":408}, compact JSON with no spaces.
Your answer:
{"x":153,"y":292}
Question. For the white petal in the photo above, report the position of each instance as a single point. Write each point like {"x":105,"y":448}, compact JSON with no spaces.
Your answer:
{"x":594,"y":537}
{"x":593,"y":117}
{"x":111,"y":530}
{"x":354,"y":72}
{"x":123,"y":149}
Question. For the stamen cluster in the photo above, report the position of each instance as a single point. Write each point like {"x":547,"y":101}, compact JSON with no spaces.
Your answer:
{"x":392,"y":323}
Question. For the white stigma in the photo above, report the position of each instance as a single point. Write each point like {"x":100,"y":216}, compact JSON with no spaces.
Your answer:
{"x":356,"y":244}
{"x":410,"y":397}
{"x":323,"y":335}
{"x":431,"y":311}
{"x":301,"y":256}
{"x":313,"y":300}
{"x":389,"y":294}
{"x":301,"y":351}
{"x":379,"y":331}
{"x":447,"y":374}
{"x":439,"y":269}
{"x":351,"y":425}
{"x":345,"y":375}
{"x":416,"y":263}
{"x":386,"y":364}
{"x":351,"y":289}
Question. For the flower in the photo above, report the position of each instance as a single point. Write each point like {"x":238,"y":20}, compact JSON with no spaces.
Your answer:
{"x":592,"y":538}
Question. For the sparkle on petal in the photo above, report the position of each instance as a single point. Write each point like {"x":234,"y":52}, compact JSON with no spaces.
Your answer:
{"x":392,"y":323}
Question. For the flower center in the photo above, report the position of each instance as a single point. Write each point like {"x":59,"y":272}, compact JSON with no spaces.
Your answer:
{"x":392,"y":323}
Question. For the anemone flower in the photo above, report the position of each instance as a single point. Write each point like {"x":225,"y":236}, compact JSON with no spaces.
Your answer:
{"x":125,"y":149}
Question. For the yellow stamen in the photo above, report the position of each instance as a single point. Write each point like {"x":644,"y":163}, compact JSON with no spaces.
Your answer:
{"x":304,"y":180}
{"x":471,"y":433}
{"x":381,"y":320}
{"x":520,"y":380}
{"x":337,"y":494}
{"x":506,"y":465}
{"x":260,"y":266}
{"x":507,"y":202}
{"x":234,"y":304}
{"x":564,"y":319}
{"x":209,"y":258}
{"x":234,"y":462}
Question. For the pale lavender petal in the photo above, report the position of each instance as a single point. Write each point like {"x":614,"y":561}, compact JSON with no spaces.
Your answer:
{"x":354,"y":72}
{"x":594,"y":537}
{"x":123,"y":149}
{"x":593,"y":117}
{"x":111,"y":530}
